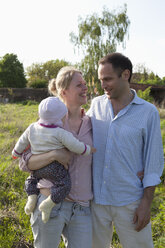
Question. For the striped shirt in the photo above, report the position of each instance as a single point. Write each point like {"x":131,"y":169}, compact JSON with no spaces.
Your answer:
{"x":126,"y":144}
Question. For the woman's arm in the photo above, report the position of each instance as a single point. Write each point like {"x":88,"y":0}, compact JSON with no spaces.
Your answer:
{"x":23,"y":161}
{"x":38,"y":161}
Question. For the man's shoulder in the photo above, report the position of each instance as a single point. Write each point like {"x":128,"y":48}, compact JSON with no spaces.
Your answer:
{"x":98,"y":106}
{"x":99,"y":99}
{"x":148,"y":110}
{"x":148,"y":105}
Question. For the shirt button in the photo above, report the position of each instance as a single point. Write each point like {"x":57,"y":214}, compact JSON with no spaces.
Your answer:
{"x":104,"y":182}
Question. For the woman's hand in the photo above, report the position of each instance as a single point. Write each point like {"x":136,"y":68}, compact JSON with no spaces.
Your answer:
{"x":38,"y":161}
{"x":63,"y":156}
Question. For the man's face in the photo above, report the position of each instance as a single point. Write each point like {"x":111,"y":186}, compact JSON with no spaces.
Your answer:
{"x":114,"y":85}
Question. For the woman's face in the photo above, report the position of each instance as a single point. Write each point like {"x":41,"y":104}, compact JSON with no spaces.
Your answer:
{"x":76,"y":94}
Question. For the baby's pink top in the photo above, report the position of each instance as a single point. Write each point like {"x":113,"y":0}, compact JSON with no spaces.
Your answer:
{"x":80,"y":168}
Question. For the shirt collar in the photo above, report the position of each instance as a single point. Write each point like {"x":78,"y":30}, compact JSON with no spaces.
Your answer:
{"x":136,"y":99}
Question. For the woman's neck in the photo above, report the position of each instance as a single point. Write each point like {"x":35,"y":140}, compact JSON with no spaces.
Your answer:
{"x":74,"y":112}
{"x":74,"y":118}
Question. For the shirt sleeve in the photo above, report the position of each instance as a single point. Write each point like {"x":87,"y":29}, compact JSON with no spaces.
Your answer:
{"x":73,"y":144}
{"x":153,"y":156}
{"x":21,"y":144}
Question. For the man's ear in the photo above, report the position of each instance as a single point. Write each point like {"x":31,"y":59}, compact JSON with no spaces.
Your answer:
{"x":126,"y":74}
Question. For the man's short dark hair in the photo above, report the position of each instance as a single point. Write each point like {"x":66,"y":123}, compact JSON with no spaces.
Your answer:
{"x":119,"y":63}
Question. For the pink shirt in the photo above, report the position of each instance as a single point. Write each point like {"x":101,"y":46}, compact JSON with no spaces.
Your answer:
{"x":80,"y":168}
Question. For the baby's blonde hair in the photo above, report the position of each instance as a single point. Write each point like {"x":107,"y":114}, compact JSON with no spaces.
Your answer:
{"x":62,"y":81}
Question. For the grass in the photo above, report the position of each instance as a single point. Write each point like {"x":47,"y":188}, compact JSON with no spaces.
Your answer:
{"x":15,"y":230}
{"x":14,"y":224}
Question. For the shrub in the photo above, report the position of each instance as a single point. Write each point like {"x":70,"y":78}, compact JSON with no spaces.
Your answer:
{"x":38,"y":83}
{"x":145,"y":94}
{"x":29,"y":102}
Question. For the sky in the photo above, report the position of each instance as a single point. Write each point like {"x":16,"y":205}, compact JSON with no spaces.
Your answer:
{"x":38,"y":30}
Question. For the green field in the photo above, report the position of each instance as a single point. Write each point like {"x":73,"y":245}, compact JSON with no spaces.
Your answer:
{"x":15,"y":231}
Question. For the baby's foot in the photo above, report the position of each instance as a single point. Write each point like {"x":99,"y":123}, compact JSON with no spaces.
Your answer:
{"x":31,"y":204}
{"x":46,"y":207}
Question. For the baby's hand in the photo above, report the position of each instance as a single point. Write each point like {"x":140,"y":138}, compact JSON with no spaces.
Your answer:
{"x":93,"y":150}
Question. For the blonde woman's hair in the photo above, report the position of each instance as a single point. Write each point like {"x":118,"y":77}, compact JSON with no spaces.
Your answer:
{"x":62,"y":81}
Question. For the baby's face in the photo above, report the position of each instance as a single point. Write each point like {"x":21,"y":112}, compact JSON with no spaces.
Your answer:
{"x":63,"y":119}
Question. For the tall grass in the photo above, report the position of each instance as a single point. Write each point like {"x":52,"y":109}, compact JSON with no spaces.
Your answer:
{"x":15,"y":230}
{"x":14,"y":224}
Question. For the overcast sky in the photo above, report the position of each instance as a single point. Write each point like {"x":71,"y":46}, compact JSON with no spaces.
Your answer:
{"x":38,"y":30}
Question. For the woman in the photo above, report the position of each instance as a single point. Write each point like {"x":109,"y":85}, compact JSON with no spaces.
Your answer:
{"x":72,"y":216}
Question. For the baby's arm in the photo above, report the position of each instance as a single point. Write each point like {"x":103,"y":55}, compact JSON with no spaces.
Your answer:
{"x":73,"y":144}
{"x":21,"y":144}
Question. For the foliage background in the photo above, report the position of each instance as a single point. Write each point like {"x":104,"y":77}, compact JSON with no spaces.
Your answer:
{"x":11,"y":72}
{"x":98,"y":35}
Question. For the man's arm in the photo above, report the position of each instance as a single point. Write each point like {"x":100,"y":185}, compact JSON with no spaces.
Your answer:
{"x":153,"y":167}
{"x":142,"y":213}
{"x":38,"y":161}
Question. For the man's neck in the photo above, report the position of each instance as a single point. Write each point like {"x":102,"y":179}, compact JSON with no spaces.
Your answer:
{"x":122,"y":102}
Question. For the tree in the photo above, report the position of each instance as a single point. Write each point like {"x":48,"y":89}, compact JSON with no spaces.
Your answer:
{"x":98,"y":36}
{"x":43,"y":72}
{"x":11,"y":72}
{"x":143,"y":75}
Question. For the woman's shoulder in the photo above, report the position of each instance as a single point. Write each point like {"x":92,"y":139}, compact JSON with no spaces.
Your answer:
{"x":84,"y":116}
{"x":86,"y":121}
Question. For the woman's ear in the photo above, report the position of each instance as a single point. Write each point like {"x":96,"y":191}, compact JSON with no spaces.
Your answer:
{"x":63,"y":93}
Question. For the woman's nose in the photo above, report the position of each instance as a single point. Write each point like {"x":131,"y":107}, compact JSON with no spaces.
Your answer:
{"x":103,"y":84}
{"x":85,"y":86}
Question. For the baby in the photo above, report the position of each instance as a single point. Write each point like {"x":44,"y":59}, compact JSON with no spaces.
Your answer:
{"x":45,"y":135}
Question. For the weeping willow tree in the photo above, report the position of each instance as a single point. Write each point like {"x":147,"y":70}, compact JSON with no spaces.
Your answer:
{"x":97,"y":36}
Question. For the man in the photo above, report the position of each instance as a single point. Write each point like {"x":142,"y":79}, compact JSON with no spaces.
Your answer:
{"x":126,"y":134}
